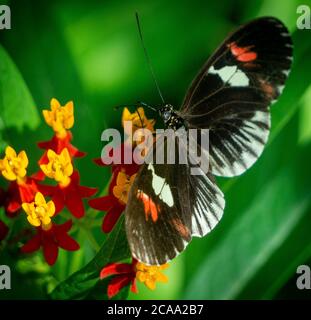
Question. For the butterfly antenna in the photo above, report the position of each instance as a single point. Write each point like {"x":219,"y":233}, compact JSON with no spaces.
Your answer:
{"x":148,"y":58}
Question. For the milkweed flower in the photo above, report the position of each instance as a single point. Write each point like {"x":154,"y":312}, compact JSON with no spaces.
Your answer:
{"x":39,"y":212}
{"x":123,"y":174}
{"x":138,"y":120}
{"x":61,"y":120}
{"x":13,"y":168}
{"x":49,"y":236}
{"x":59,"y":167}
{"x":127,"y":273}
{"x":150,"y":275}
{"x":68,"y":193}
{"x":114,"y":203}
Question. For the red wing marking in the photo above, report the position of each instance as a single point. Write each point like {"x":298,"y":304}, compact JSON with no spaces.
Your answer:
{"x":243,"y":54}
{"x":268,"y":89}
{"x":181,"y":228}
{"x":150,"y":208}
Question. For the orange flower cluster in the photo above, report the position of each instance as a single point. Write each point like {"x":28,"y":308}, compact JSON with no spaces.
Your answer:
{"x":43,"y":203}
{"x":29,"y":192}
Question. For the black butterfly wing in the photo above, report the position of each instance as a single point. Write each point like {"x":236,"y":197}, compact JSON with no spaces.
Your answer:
{"x":232,"y":93}
{"x":166,"y":207}
{"x":156,"y":226}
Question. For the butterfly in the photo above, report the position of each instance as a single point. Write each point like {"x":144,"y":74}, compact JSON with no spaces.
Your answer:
{"x":230,"y":96}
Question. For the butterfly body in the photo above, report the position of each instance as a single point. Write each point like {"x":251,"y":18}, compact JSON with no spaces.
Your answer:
{"x":170,"y":117}
{"x":231,"y":97}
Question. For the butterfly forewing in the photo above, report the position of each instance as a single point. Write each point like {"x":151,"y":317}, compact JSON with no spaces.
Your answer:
{"x":167,"y":206}
{"x":232,"y":93}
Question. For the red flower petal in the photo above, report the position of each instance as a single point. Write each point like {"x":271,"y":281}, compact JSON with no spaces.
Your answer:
{"x":104,"y":203}
{"x":74,"y":152}
{"x":46,"y":189}
{"x":65,"y":227}
{"x":57,"y":145}
{"x":116,"y":268}
{"x":50,"y":248}
{"x":38,"y":175}
{"x":12,"y":208}
{"x":66,"y":242}
{"x":2,"y":197}
{"x":86,"y":192}
{"x":3,"y":230}
{"x":99,"y":162}
{"x":74,"y":204}
{"x":134,"y":287}
{"x":33,"y":244}
{"x":28,"y":190}
{"x":111,"y":218}
{"x":12,"y":200}
{"x":75,"y":178}
{"x":116,"y":284}
{"x":59,"y":202}
{"x":45,"y":144}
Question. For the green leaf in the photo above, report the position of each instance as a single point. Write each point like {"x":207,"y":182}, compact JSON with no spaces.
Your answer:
{"x":296,"y":85}
{"x":255,"y":236}
{"x":16,"y":103}
{"x":80,"y":284}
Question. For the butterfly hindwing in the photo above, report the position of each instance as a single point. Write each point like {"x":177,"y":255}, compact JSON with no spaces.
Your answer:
{"x":207,"y":204}
{"x":232,"y":93}
{"x":168,"y":205}
{"x":158,"y":220}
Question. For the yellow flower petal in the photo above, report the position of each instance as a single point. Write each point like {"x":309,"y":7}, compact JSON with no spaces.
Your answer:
{"x":117,"y":191}
{"x":149,"y":275}
{"x":39,"y":212}
{"x":10,"y":152}
{"x":121,"y":178}
{"x":151,"y":284}
{"x":162,"y":277}
{"x":39,"y":199}
{"x":27,"y":207}
{"x":54,"y":103}
{"x":46,"y":220}
{"x":65,"y":156}
{"x":126,"y":115}
{"x":51,"y":208}
{"x":9,"y":175}
{"x":33,"y":221}
{"x":47,"y":117}
{"x":51,"y":155}
{"x":59,"y":176}
{"x":68,"y":170}
{"x":60,"y":118}
{"x":69,"y":107}
{"x":164,"y":266}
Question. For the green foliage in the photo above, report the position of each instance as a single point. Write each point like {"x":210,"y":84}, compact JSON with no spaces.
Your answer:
{"x":90,"y":52}
{"x":17,"y":107}
{"x":85,"y":283}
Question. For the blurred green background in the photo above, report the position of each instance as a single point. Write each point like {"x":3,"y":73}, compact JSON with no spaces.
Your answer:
{"x":89,"y":52}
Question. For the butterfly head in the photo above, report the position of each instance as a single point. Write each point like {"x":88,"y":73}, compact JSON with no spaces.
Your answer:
{"x":170,"y":117}
{"x":166,"y":112}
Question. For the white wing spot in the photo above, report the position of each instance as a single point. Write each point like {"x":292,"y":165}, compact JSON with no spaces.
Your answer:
{"x":161,"y":188}
{"x":231,"y":75}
